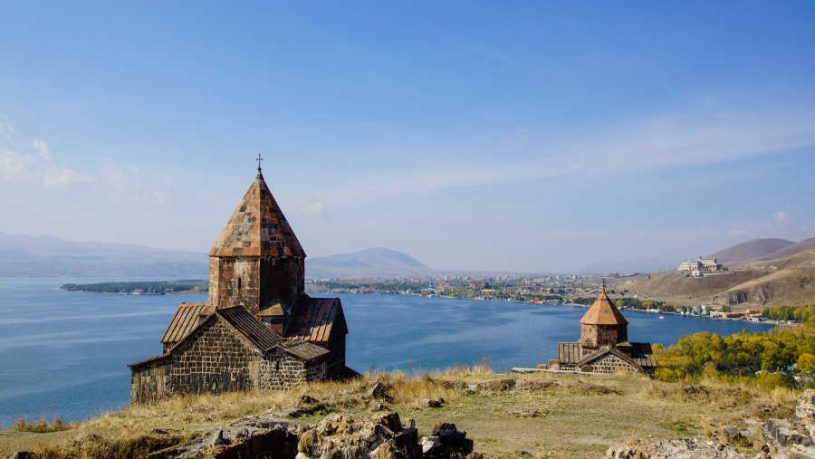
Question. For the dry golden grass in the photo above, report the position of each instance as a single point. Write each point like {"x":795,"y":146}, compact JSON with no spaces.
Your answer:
{"x":574,"y":416}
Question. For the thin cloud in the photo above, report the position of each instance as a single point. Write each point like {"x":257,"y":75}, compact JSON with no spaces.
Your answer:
{"x":658,"y":143}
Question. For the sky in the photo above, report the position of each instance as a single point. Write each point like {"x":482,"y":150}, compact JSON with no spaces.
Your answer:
{"x":519,"y":136}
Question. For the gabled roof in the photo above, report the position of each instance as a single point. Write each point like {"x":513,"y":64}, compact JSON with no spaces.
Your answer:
{"x":569,"y":352}
{"x":251,"y":327}
{"x":187,"y":317}
{"x":314,"y":319}
{"x":603,"y":312}
{"x":304,"y":349}
{"x":602,"y":352}
{"x":275,"y":310}
{"x":572,"y":353}
{"x":257,"y":227}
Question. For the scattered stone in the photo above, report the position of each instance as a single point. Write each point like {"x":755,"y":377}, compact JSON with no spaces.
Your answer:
{"x":430,"y":403}
{"x":22,"y":455}
{"x":455,"y":384}
{"x":306,"y":399}
{"x":535,"y":384}
{"x":496,"y":385}
{"x":445,"y":442}
{"x":379,"y":390}
{"x":589,"y":388}
{"x":685,"y":448}
{"x":733,"y":436}
{"x":526,"y":413}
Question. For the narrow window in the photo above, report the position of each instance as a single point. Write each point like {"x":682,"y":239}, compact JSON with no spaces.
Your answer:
{"x":277,"y":365}
{"x":239,"y":283}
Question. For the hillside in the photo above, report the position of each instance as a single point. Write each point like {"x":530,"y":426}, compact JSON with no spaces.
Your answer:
{"x":509,"y":415}
{"x":45,"y":256}
{"x":377,"y":262}
{"x":751,"y":250}
{"x":803,"y":246}
{"x":785,"y":281}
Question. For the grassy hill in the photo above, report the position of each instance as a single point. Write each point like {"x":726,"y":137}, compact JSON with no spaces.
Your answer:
{"x":751,"y":250}
{"x":784,"y":281}
{"x":540,"y":415}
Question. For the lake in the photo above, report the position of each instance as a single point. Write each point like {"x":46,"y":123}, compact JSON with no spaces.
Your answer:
{"x":66,"y":353}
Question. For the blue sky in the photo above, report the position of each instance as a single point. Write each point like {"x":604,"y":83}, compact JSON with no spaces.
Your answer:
{"x":534,"y":136}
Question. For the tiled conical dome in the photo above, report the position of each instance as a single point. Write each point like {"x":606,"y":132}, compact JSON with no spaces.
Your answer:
{"x":603,"y":312}
{"x":257,"y":227}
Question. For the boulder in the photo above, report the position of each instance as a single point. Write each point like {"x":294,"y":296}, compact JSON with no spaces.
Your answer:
{"x":685,"y":448}
{"x":446,"y":442}
{"x":431,"y":403}
{"x":381,"y":391}
{"x":349,"y":437}
{"x":805,"y":410}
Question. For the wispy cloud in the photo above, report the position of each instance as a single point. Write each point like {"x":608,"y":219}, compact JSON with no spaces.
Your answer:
{"x":657,"y":143}
{"x":37,"y":165}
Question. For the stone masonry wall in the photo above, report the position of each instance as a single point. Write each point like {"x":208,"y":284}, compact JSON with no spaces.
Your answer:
{"x":602,"y":335}
{"x":234,"y":281}
{"x":255,"y":282}
{"x":607,"y":364}
{"x":217,"y":360}
{"x":149,"y":383}
{"x":280,"y":370}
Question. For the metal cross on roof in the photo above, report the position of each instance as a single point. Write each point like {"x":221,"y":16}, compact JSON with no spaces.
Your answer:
{"x":259,"y":159}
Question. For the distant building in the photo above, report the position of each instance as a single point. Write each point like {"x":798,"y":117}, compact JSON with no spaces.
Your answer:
{"x":258,"y":329}
{"x":699,"y":266}
{"x":604,"y":345}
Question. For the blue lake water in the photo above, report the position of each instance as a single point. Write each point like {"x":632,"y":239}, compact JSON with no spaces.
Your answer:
{"x":66,"y":353}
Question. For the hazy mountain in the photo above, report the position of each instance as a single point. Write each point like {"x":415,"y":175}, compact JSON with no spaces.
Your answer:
{"x":378,"y":262}
{"x":27,"y":256}
{"x":803,"y":246}
{"x":751,"y":250}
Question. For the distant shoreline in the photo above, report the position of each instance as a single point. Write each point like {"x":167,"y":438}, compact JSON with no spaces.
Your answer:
{"x":198,"y":287}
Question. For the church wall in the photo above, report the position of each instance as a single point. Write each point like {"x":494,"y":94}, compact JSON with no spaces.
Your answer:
{"x":602,"y":335}
{"x":149,"y":383}
{"x":608,"y":364}
{"x":225,"y":289}
{"x":282,"y":281}
{"x":213,"y":360}
{"x":281,"y":370}
{"x":336,"y":345}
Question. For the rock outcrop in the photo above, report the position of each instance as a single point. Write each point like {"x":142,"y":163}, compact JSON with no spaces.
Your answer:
{"x":336,"y":436}
{"x":686,"y":448}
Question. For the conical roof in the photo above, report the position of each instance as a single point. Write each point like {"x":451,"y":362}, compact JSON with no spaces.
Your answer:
{"x":257,"y":227}
{"x":603,"y":312}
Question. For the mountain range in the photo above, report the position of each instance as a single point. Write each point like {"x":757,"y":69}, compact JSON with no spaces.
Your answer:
{"x":47,"y":256}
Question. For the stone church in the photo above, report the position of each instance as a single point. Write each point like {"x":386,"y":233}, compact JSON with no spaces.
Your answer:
{"x":604,"y":345}
{"x":258,"y":329}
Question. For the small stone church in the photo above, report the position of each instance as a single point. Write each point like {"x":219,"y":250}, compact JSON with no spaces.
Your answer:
{"x":258,"y":329}
{"x":604,"y":345}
